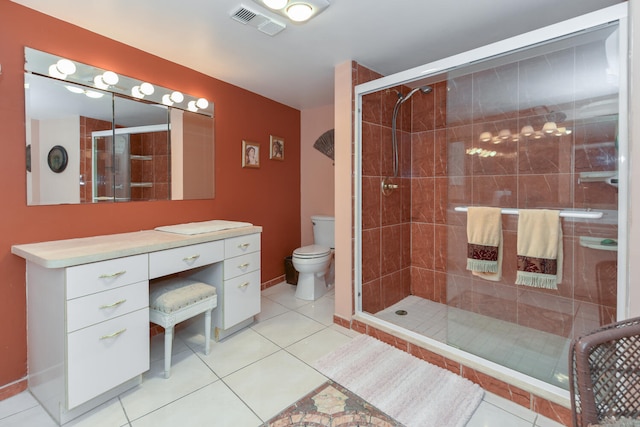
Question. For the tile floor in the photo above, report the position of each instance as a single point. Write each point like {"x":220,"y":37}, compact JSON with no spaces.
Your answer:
{"x":246,"y":379}
{"x":535,"y":353}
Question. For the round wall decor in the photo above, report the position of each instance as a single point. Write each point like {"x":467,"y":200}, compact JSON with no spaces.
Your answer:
{"x":57,"y":158}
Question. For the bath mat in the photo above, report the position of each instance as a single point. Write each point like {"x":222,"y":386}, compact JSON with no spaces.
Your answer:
{"x":331,"y":405}
{"x":412,"y":391}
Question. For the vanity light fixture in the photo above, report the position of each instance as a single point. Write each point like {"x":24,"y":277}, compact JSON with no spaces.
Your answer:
{"x":296,"y":10}
{"x":89,"y":78}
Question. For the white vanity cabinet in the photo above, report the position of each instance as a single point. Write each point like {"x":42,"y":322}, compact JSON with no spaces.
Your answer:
{"x":88,"y":334}
{"x":237,"y":282}
{"x":88,"y":306}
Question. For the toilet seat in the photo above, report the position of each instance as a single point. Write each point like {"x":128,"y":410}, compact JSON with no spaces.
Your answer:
{"x":311,"y":251}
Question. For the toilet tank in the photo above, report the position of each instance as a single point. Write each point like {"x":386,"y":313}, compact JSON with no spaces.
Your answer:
{"x":323,"y":230}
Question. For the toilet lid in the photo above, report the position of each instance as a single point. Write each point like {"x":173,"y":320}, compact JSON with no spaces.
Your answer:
{"x":311,"y":251}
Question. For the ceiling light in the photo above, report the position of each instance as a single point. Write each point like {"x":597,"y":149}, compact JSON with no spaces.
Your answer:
{"x":275,"y":4}
{"x":299,"y":12}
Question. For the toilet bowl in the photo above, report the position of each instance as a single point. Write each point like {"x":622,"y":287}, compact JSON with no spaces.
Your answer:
{"x":311,"y":262}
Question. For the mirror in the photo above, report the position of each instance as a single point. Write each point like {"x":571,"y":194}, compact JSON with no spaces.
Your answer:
{"x":118,"y":146}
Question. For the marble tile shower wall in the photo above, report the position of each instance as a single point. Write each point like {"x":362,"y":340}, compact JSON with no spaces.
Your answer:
{"x":413,"y":241}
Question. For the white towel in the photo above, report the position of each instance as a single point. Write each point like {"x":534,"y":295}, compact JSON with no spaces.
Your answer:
{"x":539,"y":248}
{"x":203,"y":227}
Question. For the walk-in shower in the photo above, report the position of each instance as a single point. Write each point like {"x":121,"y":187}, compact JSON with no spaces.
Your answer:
{"x":537,"y":122}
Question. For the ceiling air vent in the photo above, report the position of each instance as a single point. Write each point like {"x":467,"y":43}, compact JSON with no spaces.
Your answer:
{"x":243,"y":15}
{"x":269,"y":26}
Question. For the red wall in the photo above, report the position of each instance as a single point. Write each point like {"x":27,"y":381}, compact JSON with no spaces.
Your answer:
{"x":268,"y":196}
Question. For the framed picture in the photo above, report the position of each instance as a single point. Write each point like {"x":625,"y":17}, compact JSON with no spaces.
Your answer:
{"x":276,"y":148}
{"x":250,"y":154}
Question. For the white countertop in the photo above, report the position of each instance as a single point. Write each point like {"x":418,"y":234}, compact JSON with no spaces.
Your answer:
{"x":65,"y":253}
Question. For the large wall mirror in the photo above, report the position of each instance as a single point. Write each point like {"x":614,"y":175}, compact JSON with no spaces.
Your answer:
{"x":96,"y":137}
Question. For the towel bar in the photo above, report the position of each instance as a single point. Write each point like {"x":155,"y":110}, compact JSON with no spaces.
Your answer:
{"x":564,"y":214}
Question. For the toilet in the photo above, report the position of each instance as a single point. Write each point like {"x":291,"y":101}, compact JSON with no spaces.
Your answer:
{"x":313,"y":262}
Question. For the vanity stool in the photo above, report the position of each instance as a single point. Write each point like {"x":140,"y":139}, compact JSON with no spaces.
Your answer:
{"x":176,"y":299}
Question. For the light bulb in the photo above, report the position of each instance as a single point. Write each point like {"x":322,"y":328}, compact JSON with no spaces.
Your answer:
{"x":110,"y":78}
{"x":275,"y":4}
{"x":299,"y":12}
{"x":66,"y":67}
{"x":485,"y":136}
{"x":549,"y":127}
{"x":191,"y":106}
{"x":177,"y":97}
{"x":74,"y":89}
{"x":99,"y":82}
{"x":202,"y":103}
{"x":527,"y":130}
{"x":94,"y":94}
{"x":166,"y":99}
{"x":136,"y":92}
{"x":147,"y":88}
{"x":504,"y":134}
{"x":54,"y":72}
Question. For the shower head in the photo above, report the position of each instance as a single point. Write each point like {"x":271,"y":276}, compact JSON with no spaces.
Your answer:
{"x":423,"y":89}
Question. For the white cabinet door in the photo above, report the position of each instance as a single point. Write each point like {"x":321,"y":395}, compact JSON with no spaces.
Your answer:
{"x":241,"y":298}
{"x":106,"y":355}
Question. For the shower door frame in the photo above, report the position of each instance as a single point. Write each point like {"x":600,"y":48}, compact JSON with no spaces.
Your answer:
{"x":617,"y":13}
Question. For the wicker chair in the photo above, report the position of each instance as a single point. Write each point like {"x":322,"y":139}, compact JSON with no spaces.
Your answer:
{"x":605,"y":374}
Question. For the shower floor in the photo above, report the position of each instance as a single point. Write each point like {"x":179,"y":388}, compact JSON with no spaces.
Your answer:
{"x":532,"y":352}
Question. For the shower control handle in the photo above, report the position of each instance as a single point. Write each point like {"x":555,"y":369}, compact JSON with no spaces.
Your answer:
{"x":387,"y":186}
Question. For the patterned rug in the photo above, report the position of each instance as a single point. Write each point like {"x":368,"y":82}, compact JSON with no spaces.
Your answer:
{"x":331,"y":405}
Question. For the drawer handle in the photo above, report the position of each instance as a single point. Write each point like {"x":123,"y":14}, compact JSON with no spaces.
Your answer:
{"x":244,"y":245}
{"x":112,"y":275}
{"x":191,"y":258}
{"x":113,"y":335}
{"x":244,"y":285}
{"x":245,"y":265}
{"x":122,"y":301}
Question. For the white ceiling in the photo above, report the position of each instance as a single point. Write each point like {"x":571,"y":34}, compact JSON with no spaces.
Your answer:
{"x":295,"y":67}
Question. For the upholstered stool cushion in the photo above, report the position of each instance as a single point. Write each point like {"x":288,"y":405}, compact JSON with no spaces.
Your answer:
{"x":176,"y":299}
{"x":173,"y":294}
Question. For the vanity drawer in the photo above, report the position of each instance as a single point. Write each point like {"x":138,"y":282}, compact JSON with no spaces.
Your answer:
{"x":241,"y":245}
{"x":241,"y":265}
{"x":241,"y":298}
{"x":100,"y":276}
{"x":163,"y":263}
{"x":106,"y":355}
{"x":96,"y":308}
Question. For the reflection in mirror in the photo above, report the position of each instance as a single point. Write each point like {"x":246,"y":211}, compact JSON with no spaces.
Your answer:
{"x":120,"y":148}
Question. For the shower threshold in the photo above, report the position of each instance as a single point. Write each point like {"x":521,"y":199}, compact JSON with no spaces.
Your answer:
{"x":534,"y":353}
